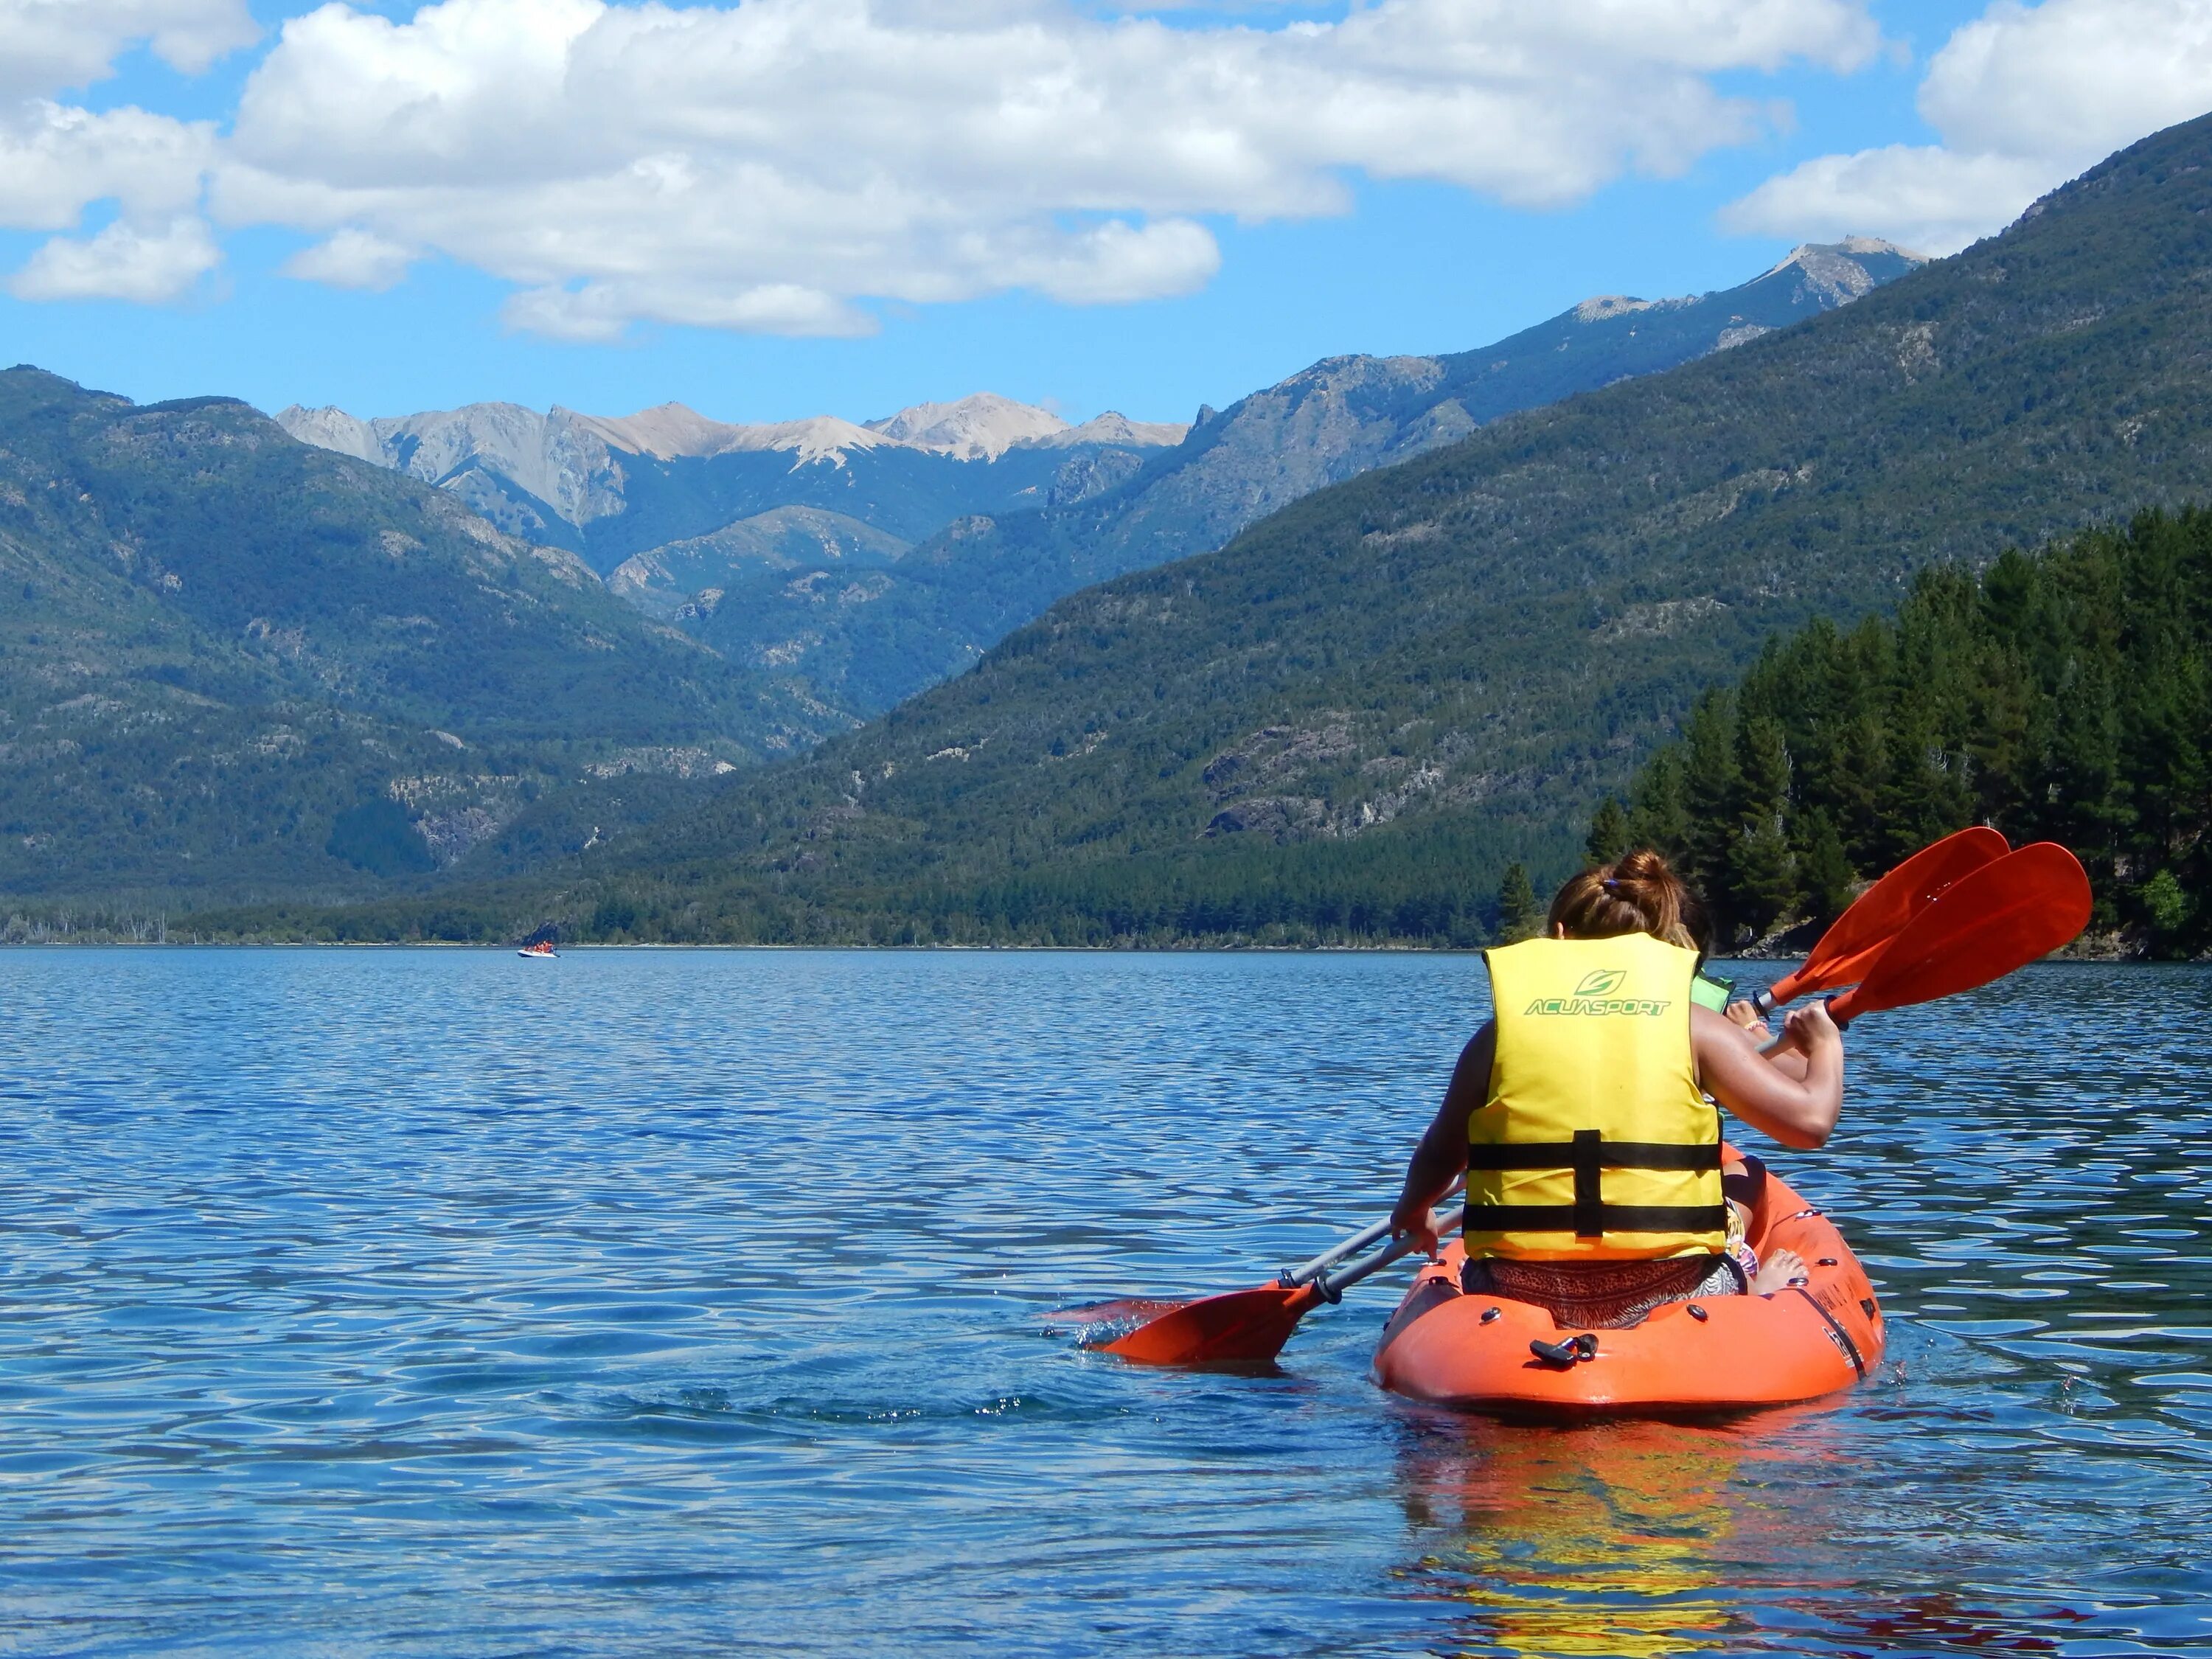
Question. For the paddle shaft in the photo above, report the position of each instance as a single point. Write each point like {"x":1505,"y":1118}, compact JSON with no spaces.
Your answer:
{"x":1351,"y":1246}
{"x":1335,"y":1284}
{"x":1335,"y":1252}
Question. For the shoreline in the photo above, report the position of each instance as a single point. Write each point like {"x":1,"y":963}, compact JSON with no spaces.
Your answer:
{"x":2071,"y":955}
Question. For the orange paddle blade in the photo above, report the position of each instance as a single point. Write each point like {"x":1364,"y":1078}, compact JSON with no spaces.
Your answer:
{"x":1849,"y":948}
{"x":2005,"y":915}
{"x":1240,"y":1326}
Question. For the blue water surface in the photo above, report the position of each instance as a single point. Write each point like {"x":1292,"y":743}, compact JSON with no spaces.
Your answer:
{"x":438,"y":1303}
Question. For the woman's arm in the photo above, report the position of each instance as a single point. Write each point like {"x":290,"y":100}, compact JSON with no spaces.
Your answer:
{"x":1795,"y":1111}
{"x":1442,"y":1154}
{"x":1745,"y":1019}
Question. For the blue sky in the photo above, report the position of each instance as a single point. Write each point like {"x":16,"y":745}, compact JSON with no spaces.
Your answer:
{"x":1411,"y":263}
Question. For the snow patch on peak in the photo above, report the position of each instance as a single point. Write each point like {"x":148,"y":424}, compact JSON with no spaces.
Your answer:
{"x":981,"y":427}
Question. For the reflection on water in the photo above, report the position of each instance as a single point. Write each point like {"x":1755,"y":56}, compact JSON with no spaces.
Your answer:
{"x":437,"y":1304}
{"x":2027,"y":1472}
{"x":1601,"y":1540}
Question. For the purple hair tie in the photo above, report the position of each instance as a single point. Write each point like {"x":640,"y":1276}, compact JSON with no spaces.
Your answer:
{"x":1611,"y":885}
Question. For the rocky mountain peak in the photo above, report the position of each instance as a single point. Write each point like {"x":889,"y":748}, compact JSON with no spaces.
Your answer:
{"x":332,"y":428}
{"x":1837,"y":272}
{"x":817,"y":438}
{"x":666,"y":430}
{"x":1599,"y":307}
{"x":982,"y":426}
{"x":1114,"y":429}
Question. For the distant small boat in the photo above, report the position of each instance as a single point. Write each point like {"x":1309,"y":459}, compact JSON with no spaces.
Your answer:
{"x":544,"y":952}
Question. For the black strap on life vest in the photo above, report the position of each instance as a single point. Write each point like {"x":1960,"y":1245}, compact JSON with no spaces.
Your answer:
{"x":1590,"y":1216}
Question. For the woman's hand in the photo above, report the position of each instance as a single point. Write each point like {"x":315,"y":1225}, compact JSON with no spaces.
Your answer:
{"x":1411,"y":1220}
{"x":1811,"y":1030}
{"x":1742,"y":1012}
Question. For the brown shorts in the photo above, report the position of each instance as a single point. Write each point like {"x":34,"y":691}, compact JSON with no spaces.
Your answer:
{"x":1602,"y":1296}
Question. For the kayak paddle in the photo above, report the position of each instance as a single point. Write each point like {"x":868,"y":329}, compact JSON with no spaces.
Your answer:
{"x":1249,"y":1327}
{"x":1879,"y":914}
{"x":2012,"y":911}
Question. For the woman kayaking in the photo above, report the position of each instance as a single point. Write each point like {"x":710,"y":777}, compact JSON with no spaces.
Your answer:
{"x":1580,"y":1113}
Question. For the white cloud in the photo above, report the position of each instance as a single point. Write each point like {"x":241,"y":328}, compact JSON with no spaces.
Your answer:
{"x":2025,"y":98}
{"x":603,"y":311}
{"x":123,"y":262}
{"x":766,"y":167}
{"x":55,"y":159}
{"x":1106,"y":263}
{"x":352,"y":258}
{"x":1926,"y":196}
{"x":56,"y":44}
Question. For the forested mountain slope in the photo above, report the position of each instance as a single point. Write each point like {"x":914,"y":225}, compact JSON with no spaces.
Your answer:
{"x":1347,"y":414}
{"x":218,"y":642}
{"x":1375,"y":696}
{"x":2065,"y":696}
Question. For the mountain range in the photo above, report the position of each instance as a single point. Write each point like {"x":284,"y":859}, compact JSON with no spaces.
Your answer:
{"x":243,"y":667}
{"x":1346,"y":415}
{"x":1345,"y":722}
{"x":791,"y":548}
{"x":607,"y":489}
{"x":233,"y":664}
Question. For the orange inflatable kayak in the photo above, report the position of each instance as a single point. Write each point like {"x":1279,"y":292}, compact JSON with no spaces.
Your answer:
{"x":1715,"y":1354}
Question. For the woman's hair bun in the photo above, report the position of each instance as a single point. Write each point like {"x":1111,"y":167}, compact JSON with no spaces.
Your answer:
{"x":1642,"y":865}
{"x":1638,"y":895}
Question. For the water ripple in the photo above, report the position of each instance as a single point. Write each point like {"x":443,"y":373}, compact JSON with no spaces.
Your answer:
{"x":676,"y":1302}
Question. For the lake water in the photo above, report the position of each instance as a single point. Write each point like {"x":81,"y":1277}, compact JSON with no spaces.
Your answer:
{"x":438,"y":1303}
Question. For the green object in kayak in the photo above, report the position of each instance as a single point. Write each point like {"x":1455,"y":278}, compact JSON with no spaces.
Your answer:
{"x":1710,"y":993}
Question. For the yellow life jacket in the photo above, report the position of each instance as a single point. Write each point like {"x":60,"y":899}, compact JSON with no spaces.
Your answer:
{"x":1596,"y":1143}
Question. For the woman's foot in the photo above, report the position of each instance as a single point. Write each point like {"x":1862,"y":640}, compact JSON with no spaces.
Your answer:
{"x":1779,"y":1272}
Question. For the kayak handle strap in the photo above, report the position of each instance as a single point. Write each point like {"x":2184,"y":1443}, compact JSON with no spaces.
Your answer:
{"x":1571,"y":1352}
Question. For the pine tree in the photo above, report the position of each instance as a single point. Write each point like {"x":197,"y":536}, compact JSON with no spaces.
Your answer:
{"x":1762,"y":870}
{"x":1609,"y":837}
{"x":1712,"y":791}
{"x":1660,"y":818}
{"x":1924,"y":795}
{"x":1824,"y":870}
{"x":1518,"y":918}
